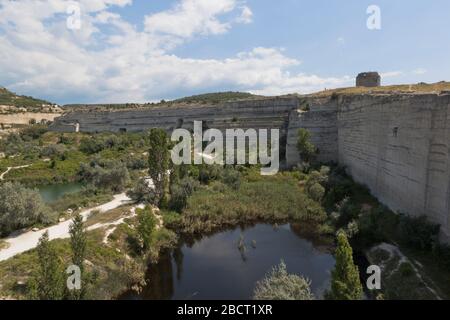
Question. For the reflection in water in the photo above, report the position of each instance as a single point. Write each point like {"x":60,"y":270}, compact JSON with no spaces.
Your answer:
{"x":228,"y":264}
{"x":160,"y":279}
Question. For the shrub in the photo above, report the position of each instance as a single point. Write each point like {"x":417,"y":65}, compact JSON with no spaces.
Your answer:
{"x":442,"y":253}
{"x":232,"y":178}
{"x":33,"y":132}
{"x":347,"y":211}
{"x":279,"y":285}
{"x":142,"y":192}
{"x":180,"y":191}
{"x":316,"y":192}
{"x":137,"y":164}
{"x":418,"y":232}
{"x":208,"y":173}
{"x":315,"y":183}
{"x":111,"y":175}
{"x":146,"y":225}
{"x":21,"y":207}
{"x":306,"y":149}
{"x":406,"y":269}
{"x":91,"y":145}
{"x":53,"y":150}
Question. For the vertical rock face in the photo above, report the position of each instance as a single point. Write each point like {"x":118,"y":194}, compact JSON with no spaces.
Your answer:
{"x":256,"y":114}
{"x":398,"y":146}
{"x":321,"y":122}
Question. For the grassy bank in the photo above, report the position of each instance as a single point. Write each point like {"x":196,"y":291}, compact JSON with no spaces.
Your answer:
{"x":115,"y":266}
{"x":277,"y":198}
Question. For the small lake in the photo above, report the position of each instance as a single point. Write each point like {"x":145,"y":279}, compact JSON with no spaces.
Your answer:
{"x":215,"y":268}
{"x":53,"y":192}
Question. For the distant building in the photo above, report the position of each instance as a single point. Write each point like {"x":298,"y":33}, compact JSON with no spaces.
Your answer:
{"x":368,"y":79}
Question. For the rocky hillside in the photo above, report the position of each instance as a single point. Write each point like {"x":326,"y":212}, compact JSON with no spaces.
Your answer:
{"x":12,"y":103}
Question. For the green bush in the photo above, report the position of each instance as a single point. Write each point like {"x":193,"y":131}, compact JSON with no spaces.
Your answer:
{"x":306,"y":149}
{"x":442,"y":253}
{"x":21,"y":207}
{"x":208,"y":173}
{"x":143,"y":193}
{"x":406,"y":269}
{"x":316,"y":192}
{"x":279,"y":285}
{"x":180,"y":191}
{"x":33,"y":132}
{"x":91,"y":145}
{"x":418,"y":232}
{"x":111,"y":175}
{"x":232,"y":178}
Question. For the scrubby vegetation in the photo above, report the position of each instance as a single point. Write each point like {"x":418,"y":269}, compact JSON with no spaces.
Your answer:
{"x":280,"y":285}
{"x":272,"y":199}
{"x":108,"y":269}
{"x":216,"y":97}
{"x":21,"y":207}
{"x":58,"y":158}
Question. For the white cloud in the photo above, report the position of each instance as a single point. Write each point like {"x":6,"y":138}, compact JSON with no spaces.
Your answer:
{"x":40,"y":56}
{"x":246,"y":16}
{"x":420,"y":71}
{"x":390,"y":74}
{"x":191,"y":17}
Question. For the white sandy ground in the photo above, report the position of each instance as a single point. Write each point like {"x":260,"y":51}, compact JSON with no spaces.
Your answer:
{"x":111,"y":226}
{"x":19,"y":243}
{"x":395,"y":251}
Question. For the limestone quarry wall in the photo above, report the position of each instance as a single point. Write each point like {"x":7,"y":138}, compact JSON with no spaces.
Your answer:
{"x":24,"y":118}
{"x":321,"y":122}
{"x":258,"y":114}
{"x":398,"y":146}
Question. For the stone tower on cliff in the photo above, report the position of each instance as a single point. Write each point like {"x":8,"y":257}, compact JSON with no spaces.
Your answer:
{"x":368,"y":79}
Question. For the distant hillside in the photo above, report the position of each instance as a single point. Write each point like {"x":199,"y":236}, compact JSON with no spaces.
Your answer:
{"x":217,"y":97}
{"x":13,"y":103}
{"x":202,"y":99}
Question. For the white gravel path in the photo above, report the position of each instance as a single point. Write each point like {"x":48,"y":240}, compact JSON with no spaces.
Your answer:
{"x":12,"y":168}
{"x":25,"y":241}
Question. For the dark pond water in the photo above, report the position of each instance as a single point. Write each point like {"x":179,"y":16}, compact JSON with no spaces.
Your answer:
{"x":215,"y":267}
{"x":53,"y":192}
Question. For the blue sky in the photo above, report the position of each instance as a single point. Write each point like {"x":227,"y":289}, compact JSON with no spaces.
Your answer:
{"x":141,"y":50}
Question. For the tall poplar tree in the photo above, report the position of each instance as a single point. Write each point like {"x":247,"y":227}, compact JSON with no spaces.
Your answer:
{"x":158,"y":161}
{"x":345,"y":282}
{"x":78,"y":245}
{"x":49,"y":278}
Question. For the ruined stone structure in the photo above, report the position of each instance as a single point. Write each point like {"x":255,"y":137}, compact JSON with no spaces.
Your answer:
{"x":368,"y":79}
{"x":398,"y":145}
